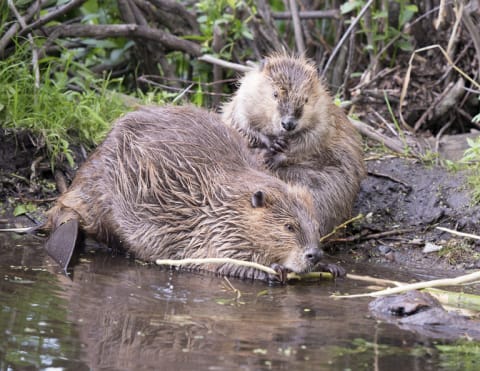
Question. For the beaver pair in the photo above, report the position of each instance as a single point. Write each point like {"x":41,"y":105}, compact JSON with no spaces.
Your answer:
{"x":287,"y":115}
{"x":174,"y":183}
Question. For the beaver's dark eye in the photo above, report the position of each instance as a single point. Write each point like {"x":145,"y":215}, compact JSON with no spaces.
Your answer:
{"x":289,"y":227}
{"x":275,"y":94}
{"x":306,"y":100}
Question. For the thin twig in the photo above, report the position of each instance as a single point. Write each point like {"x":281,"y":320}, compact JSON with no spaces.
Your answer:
{"x":406,"y":80}
{"x":377,"y":281}
{"x":297,"y":27}
{"x":233,"y":66}
{"x":243,"y":263}
{"x":59,"y":11}
{"x":472,"y":29}
{"x":366,"y":130}
{"x":458,"y":9}
{"x":345,"y":36}
{"x":457,"y":233}
{"x":363,"y":235}
{"x":343,"y":225}
{"x":12,"y":31}
{"x":290,"y":276}
{"x":36,"y":69}
{"x":309,"y":14}
{"x":468,"y":278}
{"x":389,"y":177}
{"x":432,"y":107}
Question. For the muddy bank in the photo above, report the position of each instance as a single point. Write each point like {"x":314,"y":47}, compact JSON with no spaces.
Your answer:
{"x":403,"y":202}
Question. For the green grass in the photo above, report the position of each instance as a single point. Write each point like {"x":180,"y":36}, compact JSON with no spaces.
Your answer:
{"x":54,"y":113}
{"x":471,"y":161}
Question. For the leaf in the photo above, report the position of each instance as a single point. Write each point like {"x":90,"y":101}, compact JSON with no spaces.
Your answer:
{"x":22,"y":209}
{"x":405,"y":45}
{"x":349,"y":6}
{"x":19,"y":210}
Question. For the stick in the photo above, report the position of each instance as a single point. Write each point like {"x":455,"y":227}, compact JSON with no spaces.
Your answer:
{"x":243,"y":263}
{"x":233,"y":66}
{"x":369,"y":132}
{"x":418,"y":285}
{"x":17,"y":230}
{"x":290,"y":276}
{"x":406,"y":80}
{"x":297,"y":27}
{"x":468,"y":235}
{"x":345,"y":36}
{"x":21,"y":21}
{"x":343,"y":225}
{"x":309,"y":14}
{"x":377,"y":281}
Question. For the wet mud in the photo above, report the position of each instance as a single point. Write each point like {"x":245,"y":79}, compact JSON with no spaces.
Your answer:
{"x":403,"y":202}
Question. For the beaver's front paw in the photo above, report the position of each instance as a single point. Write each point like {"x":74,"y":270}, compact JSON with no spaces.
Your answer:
{"x":278,"y":144}
{"x":334,"y":269}
{"x":273,"y":160}
{"x":280,"y":277}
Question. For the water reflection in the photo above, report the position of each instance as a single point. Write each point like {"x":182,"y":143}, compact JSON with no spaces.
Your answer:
{"x":35,"y":330}
{"x":118,"y":314}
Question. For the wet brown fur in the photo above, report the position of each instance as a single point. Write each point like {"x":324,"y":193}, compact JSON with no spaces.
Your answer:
{"x":324,"y":150}
{"x":175,"y":182}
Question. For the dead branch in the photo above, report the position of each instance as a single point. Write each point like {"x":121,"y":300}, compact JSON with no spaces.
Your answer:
{"x":472,"y":28}
{"x":297,"y":27}
{"x":468,"y":235}
{"x":233,"y":66}
{"x":12,"y":31}
{"x":345,"y":35}
{"x":371,"y":133}
{"x":310,"y":14}
{"x":468,"y":278}
{"x":55,"y":13}
{"x":171,"y":7}
{"x":134,"y":31}
{"x":21,"y":20}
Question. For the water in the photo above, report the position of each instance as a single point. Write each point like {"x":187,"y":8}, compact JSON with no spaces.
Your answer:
{"x":118,"y":314}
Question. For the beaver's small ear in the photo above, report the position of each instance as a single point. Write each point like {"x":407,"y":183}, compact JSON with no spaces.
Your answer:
{"x":258,"y":199}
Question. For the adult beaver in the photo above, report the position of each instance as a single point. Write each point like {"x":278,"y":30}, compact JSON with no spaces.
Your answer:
{"x":283,"y":110}
{"x":175,"y":183}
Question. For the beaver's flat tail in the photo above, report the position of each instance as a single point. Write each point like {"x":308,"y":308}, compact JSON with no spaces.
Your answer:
{"x":62,"y":242}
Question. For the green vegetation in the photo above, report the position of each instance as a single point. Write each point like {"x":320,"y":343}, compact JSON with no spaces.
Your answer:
{"x":462,"y":355}
{"x":383,"y":25}
{"x":471,"y":160}
{"x":54,"y":112}
{"x":224,"y":16}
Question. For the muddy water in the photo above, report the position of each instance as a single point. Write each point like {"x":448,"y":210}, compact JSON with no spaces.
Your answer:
{"x":117,"y":314}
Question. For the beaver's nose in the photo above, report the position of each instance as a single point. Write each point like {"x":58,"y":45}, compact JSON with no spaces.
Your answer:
{"x":289,"y":124}
{"x":313,"y":255}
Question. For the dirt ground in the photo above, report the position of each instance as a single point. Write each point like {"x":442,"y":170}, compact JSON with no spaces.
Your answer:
{"x":402,"y":200}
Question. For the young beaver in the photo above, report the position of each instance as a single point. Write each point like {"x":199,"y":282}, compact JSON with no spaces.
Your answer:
{"x":286,"y":113}
{"x":175,"y":183}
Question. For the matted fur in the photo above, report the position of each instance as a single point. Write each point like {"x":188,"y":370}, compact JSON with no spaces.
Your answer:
{"x":323,"y":152}
{"x":175,"y":182}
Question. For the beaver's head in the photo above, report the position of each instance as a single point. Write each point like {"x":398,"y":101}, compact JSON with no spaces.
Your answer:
{"x":295,"y":89}
{"x":280,"y":223}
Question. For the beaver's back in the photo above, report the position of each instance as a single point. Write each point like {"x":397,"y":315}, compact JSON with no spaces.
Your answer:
{"x":179,"y":135}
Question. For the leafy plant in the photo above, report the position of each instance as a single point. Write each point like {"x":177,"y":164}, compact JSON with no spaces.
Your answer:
{"x":384,"y":24}
{"x":225,"y":14}
{"x":471,"y":159}
{"x":63,"y":110}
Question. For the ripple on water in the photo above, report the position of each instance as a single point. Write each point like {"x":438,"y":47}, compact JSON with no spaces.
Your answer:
{"x":117,"y":314}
